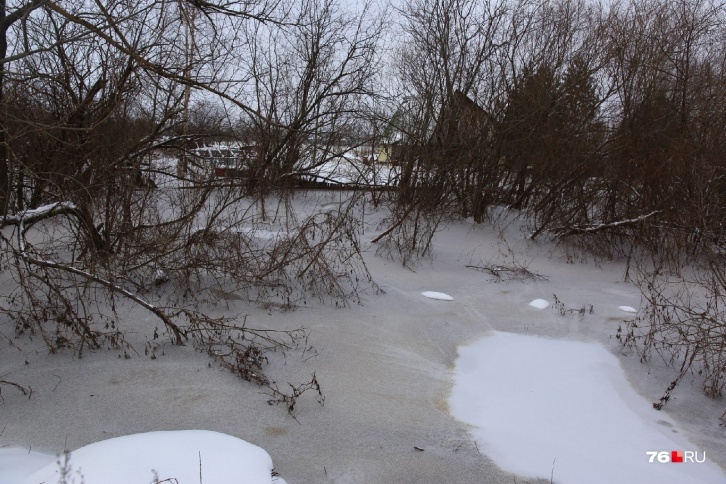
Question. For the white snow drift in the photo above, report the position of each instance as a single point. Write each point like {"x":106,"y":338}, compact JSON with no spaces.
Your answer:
{"x":439,"y":296}
{"x":540,"y":304}
{"x":178,"y":455}
{"x":564,"y":409}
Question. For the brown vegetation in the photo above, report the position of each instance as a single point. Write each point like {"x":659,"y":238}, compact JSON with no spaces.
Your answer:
{"x":602,"y":125}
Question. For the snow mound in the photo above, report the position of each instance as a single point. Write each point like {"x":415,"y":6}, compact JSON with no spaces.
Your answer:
{"x":437,"y":295}
{"x":173,"y":455}
{"x":542,"y":407}
{"x":540,"y":304}
{"x":16,"y":463}
{"x":628,"y":309}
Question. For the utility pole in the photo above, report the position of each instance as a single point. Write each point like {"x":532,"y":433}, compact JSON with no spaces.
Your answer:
{"x":187,"y":18}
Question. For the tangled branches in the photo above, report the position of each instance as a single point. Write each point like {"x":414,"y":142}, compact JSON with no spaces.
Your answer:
{"x":684,"y":323}
{"x":175,"y":267}
{"x":242,"y":350}
{"x":410,"y":234}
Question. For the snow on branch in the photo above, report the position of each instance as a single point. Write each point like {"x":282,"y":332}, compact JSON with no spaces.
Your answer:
{"x":34,"y":215}
{"x":562,"y":232}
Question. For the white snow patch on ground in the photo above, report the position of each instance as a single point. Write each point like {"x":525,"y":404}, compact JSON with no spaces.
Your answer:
{"x":349,"y":170}
{"x":17,"y":463}
{"x":544,"y":407}
{"x":173,"y":455}
{"x":262,"y":234}
{"x":437,"y":295}
{"x":540,"y":304}
{"x":628,"y":309}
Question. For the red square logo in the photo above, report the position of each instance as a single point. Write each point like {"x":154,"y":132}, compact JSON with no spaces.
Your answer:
{"x":676,"y":456}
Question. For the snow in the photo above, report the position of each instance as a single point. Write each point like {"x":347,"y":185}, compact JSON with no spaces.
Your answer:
{"x":386,"y":370}
{"x":440,"y":296}
{"x":540,"y":304}
{"x":602,"y":226}
{"x":17,"y":463}
{"x":564,"y":409}
{"x":348,"y":170}
{"x":628,"y":309}
{"x":262,"y":234}
{"x":135,"y":458}
{"x":35,"y":213}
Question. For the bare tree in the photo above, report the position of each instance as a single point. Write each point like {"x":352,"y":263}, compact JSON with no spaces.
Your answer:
{"x":309,"y":87}
{"x":17,"y":13}
{"x":98,"y":116}
{"x":443,"y":125}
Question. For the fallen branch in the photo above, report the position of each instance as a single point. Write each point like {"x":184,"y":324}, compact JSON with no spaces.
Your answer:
{"x":29,"y":217}
{"x":25,"y":391}
{"x":509,"y":273}
{"x":179,"y":336}
{"x":562,"y":232}
{"x":398,"y":223}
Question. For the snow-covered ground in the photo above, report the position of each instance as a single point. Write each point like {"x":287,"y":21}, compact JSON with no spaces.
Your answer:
{"x":349,"y":170}
{"x":543,"y":407}
{"x":559,"y":398}
{"x":185,"y":456}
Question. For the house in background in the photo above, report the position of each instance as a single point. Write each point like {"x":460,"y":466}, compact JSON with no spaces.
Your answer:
{"x":461,"y":123}
{"x":227,"y":160}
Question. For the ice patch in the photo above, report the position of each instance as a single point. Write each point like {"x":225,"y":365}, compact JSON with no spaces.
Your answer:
{"x":329,"y":207}
{"x":437,"y":295}
{"x":628,"y":309}
{"x":540,"y":304}
{"x":172,"y":455}
{"x":542,"y":407}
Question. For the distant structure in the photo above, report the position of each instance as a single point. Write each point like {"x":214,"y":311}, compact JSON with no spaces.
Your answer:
{"x":227,"y":160}
{"x":461,"y":122}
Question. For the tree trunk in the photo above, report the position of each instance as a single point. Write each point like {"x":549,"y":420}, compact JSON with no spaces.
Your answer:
{"x":4,"y":175}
